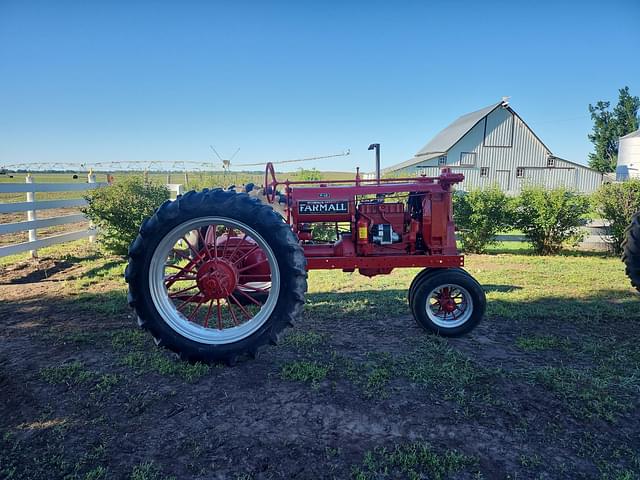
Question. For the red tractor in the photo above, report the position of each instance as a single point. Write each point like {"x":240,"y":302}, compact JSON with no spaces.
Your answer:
{"x":216,"y":275}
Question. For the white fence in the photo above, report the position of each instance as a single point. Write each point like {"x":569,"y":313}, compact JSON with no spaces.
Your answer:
{"x":31,"y":206}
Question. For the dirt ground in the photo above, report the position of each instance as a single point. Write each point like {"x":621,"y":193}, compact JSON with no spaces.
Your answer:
{"x":359,"y":394}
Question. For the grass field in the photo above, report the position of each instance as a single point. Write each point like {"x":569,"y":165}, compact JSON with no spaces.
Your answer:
{"x":548,"y":386}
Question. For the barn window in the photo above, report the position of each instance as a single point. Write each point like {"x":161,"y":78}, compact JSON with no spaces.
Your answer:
{"x":551,"y":162}
{"x":484,"y":171}
{"x":442,"y":160}
{"x":467,"y":158}
{"x":520,"y":172}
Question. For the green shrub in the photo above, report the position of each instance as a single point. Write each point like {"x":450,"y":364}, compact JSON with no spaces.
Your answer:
{"x":324,"y":232}
{"x":617,"y":203}
{"x":119,"y":209}
{"x":551,"y":218}
{"x":480,"y":215}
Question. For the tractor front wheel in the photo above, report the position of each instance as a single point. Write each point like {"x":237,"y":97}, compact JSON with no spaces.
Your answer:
{"x":449,"y":302}
{"x":631,"y":251}
{"x":216,"y":275}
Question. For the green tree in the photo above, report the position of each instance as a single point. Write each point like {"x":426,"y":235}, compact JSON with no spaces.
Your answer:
{"x":626,"y":112}
{"x":617,"y":203}
{"x":609,"y":126}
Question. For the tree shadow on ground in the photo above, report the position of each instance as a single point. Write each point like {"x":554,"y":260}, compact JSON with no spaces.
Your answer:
{"x":42,"y":273}
{"x":52,"y":270}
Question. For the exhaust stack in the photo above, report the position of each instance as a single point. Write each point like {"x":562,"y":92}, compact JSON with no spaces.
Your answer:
{"x":376,"y":147}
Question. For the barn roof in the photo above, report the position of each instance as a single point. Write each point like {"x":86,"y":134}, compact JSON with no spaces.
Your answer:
{"x":448,"y":137}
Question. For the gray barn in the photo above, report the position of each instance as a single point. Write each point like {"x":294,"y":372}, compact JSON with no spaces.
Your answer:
{"x":494,"y":146}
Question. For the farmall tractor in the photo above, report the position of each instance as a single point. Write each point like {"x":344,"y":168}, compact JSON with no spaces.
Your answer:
{"x":217,"y":275}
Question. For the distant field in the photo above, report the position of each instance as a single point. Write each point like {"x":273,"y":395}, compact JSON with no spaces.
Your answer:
{"x":218,"y":178}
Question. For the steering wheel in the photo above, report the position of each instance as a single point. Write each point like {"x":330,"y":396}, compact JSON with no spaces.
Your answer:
{"x":270,"y":186}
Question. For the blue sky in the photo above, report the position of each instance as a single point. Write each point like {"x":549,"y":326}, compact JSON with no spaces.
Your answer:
{"x":92,"y":81}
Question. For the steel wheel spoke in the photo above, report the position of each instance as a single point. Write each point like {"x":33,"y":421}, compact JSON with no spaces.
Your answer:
{"x":173,"y":294}
{"x":252,"y":265}
{"x":224,"y":248}
{"x":204,"y":243}
{"x":192,"y":248}
{"x":235,"y":250}
{"x":219,"y":308}
{"x":182,"y":305}
{"x":182,"y":255}
{"x":233,"y":314}
{"x":210,"y":233}
{"x":247,"y":314}
{"x":193,"y":314}
{"x":172,"y":279}
{"x":205,"y":324}
{"x":181,"y":274}
{"x":244,"y":255}
{"x":189,"y":265}
{"x":250,"y":298}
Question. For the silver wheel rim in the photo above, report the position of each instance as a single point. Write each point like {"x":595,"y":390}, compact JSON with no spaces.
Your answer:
{"x":176,"y":319}
{"x":441,"y":316}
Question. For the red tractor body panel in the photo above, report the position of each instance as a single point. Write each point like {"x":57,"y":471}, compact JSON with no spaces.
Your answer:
{"x":381,"y":224}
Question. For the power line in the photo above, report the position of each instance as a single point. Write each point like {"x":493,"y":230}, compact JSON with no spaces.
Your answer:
{"x":138,"y":165}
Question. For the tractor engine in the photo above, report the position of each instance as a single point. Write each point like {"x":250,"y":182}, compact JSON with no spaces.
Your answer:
{"x":384,"y":223}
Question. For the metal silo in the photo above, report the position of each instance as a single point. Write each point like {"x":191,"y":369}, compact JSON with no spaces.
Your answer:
{"x":629,"y":157}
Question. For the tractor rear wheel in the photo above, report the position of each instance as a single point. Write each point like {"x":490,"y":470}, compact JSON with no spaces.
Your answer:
{"x":449,"y":302}
{"x":631,"y":251}
{"x":226,"y":295}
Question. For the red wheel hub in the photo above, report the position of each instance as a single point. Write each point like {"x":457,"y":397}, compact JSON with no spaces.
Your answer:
{"x":447,"y":303}
{"x":217,"y":278}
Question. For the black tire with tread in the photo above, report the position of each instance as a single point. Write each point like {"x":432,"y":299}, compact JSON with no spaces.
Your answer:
{"x":424,"y":284}
{"x":240,"y":207}
{"x":416,"y":280}
{"x":423,"y":273}
{"x":631,"y":251}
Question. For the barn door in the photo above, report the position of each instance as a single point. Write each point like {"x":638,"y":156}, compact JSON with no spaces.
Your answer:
{"x":503,"y":179}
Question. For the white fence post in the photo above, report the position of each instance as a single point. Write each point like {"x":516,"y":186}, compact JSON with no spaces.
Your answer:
{"x":91,"y":178}
{"x":31,"y":215}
